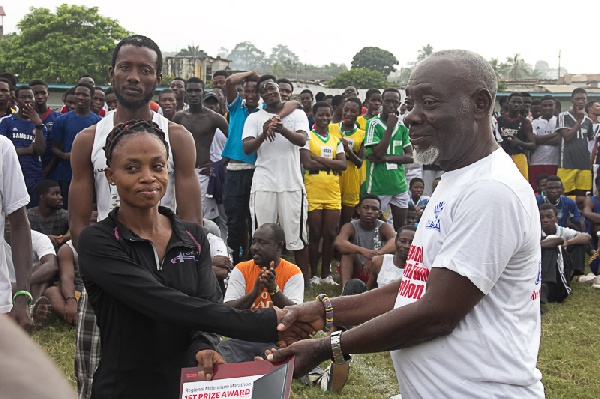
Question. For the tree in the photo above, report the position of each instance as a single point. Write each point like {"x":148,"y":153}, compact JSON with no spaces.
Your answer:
{"x":60,"y":47}
{"x":192,"y":51}
{"x":375,"y":59}
{"x":424,"y":52}
{"x":247,"y":56}
{"x":223,"y":52}
{"x":516,"y":68}
{"x":358,"y":77}
{"x":283,"y":55}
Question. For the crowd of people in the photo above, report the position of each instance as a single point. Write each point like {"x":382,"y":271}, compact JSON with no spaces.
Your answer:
{"x":105,"y":198}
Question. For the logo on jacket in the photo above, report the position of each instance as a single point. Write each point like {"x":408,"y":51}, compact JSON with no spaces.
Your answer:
{"x":182,"y":257}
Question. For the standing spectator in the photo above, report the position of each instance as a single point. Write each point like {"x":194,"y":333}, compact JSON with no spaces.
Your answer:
{"x":218,"y":78}
{"x":516,"y":133}
{"x":13,"y":199}
{"x":5,"y":97}
{"x":286,"y":88}
{"x":388,"y":149}
{"x":574,"y":162}
{"x":65,"y":129}
{"x":592,"y":108}
{"x":323,"y":160}
{"x":277,"y":188}
{"x":168,"y":103}
{"x":306,"y":99}
{"x":111,"y":98}
{"x":545,"y":157}
{"x":352,"y":139}
{"x":26,"y":131}
{"x":98,"y":102}
{"x":48,"y":117}
{"x":178,"y":86}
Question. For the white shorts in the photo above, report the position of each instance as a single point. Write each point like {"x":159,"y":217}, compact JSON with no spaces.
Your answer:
{"x":209,"y":205}
{"x":399,"y":200}
{"x":288,"y":208}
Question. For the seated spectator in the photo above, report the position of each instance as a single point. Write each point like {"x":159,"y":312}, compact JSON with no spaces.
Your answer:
{"x":412,"y":219}
{"x":65,"y":297}
{"x":540,"y":181}
{"x":221,"y":262}
{"x":435,"y":183}
{"x":43,"y":271}
{"x":362,"y":239}
{"x":265,"y":281}
{"x":387,"y":268}
{"x":557,"y":242}
{"x":48,"y":217}
{"x":416,"y":197}
{"x":568,"y":213}
{"x":591,"y":212}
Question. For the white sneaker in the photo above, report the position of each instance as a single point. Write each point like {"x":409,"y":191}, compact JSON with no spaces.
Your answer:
{"x":596,"y":283}
{"x":315,"y":280}
{"x":329,"y":280}
{"x":588,"y":278}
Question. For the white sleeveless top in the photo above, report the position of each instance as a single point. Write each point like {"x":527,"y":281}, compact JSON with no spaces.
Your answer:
{"x":389,"y":272}
{"x":107,"y":197}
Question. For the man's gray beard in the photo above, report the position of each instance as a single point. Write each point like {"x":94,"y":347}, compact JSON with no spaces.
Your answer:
{"x":426,"y":157}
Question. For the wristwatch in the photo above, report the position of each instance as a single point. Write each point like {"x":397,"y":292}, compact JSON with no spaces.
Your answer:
{"x":40,"y":126}
{"x":336,"y":348}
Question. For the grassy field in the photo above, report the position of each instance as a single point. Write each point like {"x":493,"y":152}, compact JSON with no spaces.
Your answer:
{"x":569,"y":357}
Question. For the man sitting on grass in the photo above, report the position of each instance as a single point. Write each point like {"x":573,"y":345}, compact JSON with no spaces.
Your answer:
{"x":49,"y":217}
{"x":265,"y":281}
{"x":362,"y":239}
{"x":556,"y":268}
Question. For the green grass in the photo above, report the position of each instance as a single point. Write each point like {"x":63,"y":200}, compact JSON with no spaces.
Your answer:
{"x":569,"y":357}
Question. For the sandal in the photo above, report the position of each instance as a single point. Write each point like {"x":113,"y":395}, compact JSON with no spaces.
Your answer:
{"x":335,"y":377}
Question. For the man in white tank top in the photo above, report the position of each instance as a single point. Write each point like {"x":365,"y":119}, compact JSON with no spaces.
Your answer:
{"x":135,"y":72}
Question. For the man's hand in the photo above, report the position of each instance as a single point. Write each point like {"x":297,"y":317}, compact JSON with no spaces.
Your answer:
{"x":20,"y":313}
{"x":579,"y":114}
{"x":221,"y":265}
{"x":369,"y":253}
{"x":296,"y":331}
{"x":268,"y":277}
{"x":268,"y":130}
{"x":29,"y":113}
{"x":374,"y":158}
{"x":514,"y":141}
{"x":71,"y":311}
{"x":207,"y":359}
{"x":308,"y":354}
{"x":392,"y":119}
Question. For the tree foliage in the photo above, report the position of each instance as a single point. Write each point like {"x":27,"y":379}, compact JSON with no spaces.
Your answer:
{"x":358,"y":77}
{"x":425,"y":52}
{"x":246,"y":56}
{"x":375,"y":59}
{"x":192,"y":51}
{"x":60,"y":47}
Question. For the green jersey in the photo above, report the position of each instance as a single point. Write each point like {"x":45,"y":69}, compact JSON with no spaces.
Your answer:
{"x":386,"y":178}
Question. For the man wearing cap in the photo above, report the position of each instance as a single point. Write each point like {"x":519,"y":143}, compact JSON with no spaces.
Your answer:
{"x":202,"y":123}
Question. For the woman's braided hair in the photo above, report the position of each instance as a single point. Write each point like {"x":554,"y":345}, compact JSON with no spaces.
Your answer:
{"x":133,"y":126}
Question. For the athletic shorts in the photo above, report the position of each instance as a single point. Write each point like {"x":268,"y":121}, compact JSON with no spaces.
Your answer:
{"x":288,"y":208}
{"x":575,"y":179}
{"x":399,"y":200}
{"x":323,"y":206}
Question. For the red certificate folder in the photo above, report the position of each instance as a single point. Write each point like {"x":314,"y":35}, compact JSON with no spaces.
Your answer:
{"x":256,"y":380}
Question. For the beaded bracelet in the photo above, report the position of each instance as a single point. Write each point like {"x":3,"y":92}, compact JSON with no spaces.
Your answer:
{"x":26,"y":293}
{"x":328,"y":311}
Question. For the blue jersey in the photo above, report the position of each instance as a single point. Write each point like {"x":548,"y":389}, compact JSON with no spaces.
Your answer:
{"x":234,"y":147}
{"x":48,"y":121}
{"x":566,"y":207}
{"x":22,"y":134}
{"x":64,"y":130}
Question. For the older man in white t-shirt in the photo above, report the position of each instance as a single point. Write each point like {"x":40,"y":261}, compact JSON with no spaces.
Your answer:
{"x":465,"y":320}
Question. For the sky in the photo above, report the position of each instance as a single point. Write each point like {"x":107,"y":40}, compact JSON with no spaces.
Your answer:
{"x":320,"y":32}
